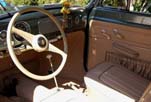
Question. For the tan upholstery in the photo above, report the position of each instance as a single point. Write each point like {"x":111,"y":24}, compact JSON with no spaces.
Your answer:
{"x":119,"y":79}
{"x":130,"y":41}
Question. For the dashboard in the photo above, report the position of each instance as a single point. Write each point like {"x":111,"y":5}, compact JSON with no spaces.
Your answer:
{"x":37,"y":23}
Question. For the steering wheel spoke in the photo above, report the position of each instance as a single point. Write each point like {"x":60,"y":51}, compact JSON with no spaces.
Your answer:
{"x":27,"y":36}
{"x":54,"y":49}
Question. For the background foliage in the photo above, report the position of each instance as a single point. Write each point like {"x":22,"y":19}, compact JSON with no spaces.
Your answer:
{"x":39,"y":2}
{"x":136,"y":5}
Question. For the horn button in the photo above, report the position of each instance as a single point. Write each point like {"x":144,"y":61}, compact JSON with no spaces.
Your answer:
{"x":42,"y":42}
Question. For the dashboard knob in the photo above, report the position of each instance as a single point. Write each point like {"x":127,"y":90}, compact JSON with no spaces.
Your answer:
{"x":3,"y":34}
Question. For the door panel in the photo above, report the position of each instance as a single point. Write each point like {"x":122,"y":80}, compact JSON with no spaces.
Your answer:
{"x":131,"y":41}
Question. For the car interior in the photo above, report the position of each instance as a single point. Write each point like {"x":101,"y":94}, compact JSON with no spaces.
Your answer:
{"x":100,"y":52}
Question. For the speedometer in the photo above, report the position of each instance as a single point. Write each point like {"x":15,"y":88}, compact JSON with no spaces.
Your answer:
{"x":22,"y":25}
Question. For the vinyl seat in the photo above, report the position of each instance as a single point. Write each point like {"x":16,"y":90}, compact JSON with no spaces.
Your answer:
{"x":119,"y":79}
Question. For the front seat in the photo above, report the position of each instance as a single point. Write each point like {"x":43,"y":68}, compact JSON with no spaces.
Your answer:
{"x":25,"y":87}
{"x":17,"y":88}
{"x":109,"y":82}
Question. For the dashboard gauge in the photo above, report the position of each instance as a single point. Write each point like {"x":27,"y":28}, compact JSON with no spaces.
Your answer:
{"x":3,"y":34}
{"x":22,"y":25}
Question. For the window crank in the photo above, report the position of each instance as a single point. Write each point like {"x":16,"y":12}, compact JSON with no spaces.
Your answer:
{"x":118,"y":34}
{"x":105,"y":34}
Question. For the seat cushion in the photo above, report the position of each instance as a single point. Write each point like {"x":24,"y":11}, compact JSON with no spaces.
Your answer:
{"x":119,"y":79}
{"x":25,"y":87}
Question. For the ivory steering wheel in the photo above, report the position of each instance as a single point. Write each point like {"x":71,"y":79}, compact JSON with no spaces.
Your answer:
{"x":38,"y":42}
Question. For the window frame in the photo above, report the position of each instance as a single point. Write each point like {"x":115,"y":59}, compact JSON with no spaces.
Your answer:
{"x":126,"y":7}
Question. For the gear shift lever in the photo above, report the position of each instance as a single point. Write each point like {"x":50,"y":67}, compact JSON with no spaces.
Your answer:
{"x":49,"y":57}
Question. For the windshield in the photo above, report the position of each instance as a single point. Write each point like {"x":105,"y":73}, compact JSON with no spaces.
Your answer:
{"x":13,"y":5}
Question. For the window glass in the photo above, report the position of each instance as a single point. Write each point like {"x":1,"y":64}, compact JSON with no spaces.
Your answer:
{"x":12,"y":5}
{"x":121,"y":4}
{"x":141,"y":6}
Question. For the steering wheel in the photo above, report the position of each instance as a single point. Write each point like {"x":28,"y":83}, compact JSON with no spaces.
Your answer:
{"x":38,"y":42}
